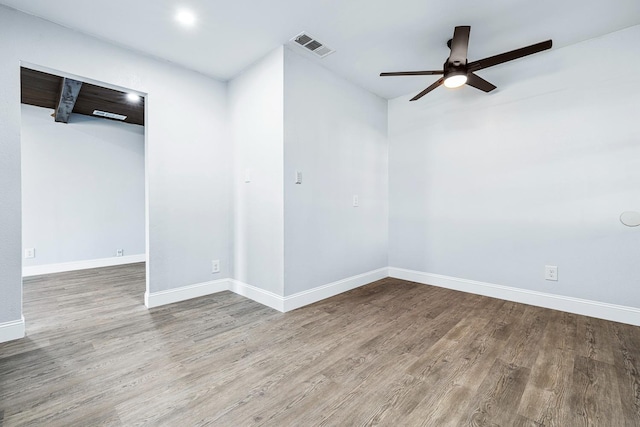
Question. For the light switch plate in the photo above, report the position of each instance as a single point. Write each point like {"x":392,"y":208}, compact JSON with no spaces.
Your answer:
{"x":298,"y":177}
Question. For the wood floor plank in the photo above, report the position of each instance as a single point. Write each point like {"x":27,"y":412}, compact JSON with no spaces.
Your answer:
{"x":363,"y":400}
{"x":463,"y":381}
{"x":627,"y":366}
{"x":392,"y":353}
{"x":432,"y":369}
{"x":498,"y":396}
{"x":595,"y":339}
{"x":506,"y":320}
{"x":522,"y":349}
{"x":595,"y":397}
{"x":544,"y":397}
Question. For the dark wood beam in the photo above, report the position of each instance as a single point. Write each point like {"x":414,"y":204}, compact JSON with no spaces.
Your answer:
{"x":40,"y":89}
{"x":68,"y":96}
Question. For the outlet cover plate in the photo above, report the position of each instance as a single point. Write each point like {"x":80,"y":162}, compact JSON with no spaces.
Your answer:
{"x":551,"y":272}
{"x":215,"y":266}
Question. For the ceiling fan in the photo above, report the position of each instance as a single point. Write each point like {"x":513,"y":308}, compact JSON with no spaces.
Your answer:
{"x":457,"y":71}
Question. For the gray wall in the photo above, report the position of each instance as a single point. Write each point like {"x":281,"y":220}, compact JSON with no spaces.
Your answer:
{"x":82,"y":187}
{"x":256,"y":117}
{"x":491,"y":187}
{"x":335,"y":134}
{"x":187,"y":152}
{"x":10,"y":199}
{"x":289,"y":114}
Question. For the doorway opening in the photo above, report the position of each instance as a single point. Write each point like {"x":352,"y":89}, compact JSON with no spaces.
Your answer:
{"x":84,"y":203}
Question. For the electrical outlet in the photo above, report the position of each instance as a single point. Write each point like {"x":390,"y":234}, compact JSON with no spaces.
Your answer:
{"x":215,"y":266}
{"x":356,"y":201}
{"x":119,"y":252}
{"x":298,"y":177}
{"x":30,"y":253}
{"x":551,"y":272}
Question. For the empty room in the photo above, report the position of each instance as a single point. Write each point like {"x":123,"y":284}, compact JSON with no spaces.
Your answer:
{"x":346,"y":213}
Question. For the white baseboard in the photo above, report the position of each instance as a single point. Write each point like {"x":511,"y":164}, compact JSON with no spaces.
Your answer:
{"x":311,"y":296}
{"x":601,"y":310}
{"x":156,"y":299}
{"x":258,"y":295}
{"x":36,"y":270}
{"x":12,"y":330}
{"x":277,"y":302}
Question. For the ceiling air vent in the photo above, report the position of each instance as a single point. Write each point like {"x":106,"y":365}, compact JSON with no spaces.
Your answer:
{"x":308,"y":42}
{"x":109,"y":115}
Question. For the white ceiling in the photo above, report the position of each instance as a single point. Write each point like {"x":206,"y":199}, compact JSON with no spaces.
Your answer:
{"x":369,"y":36}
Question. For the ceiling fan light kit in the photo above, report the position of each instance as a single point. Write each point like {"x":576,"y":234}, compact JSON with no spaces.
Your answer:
{"x":455,"y":78}
{"x":457,"y":71}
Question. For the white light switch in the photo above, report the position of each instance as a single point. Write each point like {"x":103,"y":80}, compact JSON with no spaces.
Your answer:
{"x":356,"y":201}
{"x":298,"y":177}
{"x":247,"y":175}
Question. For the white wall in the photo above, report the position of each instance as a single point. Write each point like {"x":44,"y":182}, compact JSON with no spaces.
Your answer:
{"x":82,"y":187}
{"x":256,"y":114}
{"x":335,"y":134}
{"x":289,"y":114}
{"x":187,"y":152}
{"x":492,"y":187}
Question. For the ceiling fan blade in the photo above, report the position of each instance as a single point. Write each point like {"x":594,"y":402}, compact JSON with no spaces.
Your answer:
{"x":508,"y":56}
{"x":413,"y":73}
{"x":459,"y":45}
{"x":479,"y":83}
{"x":427,"y":90}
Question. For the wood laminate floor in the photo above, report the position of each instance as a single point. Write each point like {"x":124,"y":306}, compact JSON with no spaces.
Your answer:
{"x":391,"y":353}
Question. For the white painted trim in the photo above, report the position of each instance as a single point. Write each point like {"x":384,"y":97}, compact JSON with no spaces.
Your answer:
{"x":601,"y":310}
{"x":13,"y":330}
{"x":277,"y":302}
{"x":311,"y":296}
{"x":261,"y":296}
{"x":36,"y":270}
{"x":156,"y":299}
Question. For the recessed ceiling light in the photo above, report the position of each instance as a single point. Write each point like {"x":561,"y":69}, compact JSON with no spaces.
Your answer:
{"x":186,"y":17}
{"x":132,"y":97}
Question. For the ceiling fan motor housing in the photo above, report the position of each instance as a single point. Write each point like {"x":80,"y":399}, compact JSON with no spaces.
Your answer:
{"x":454,"y":69}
